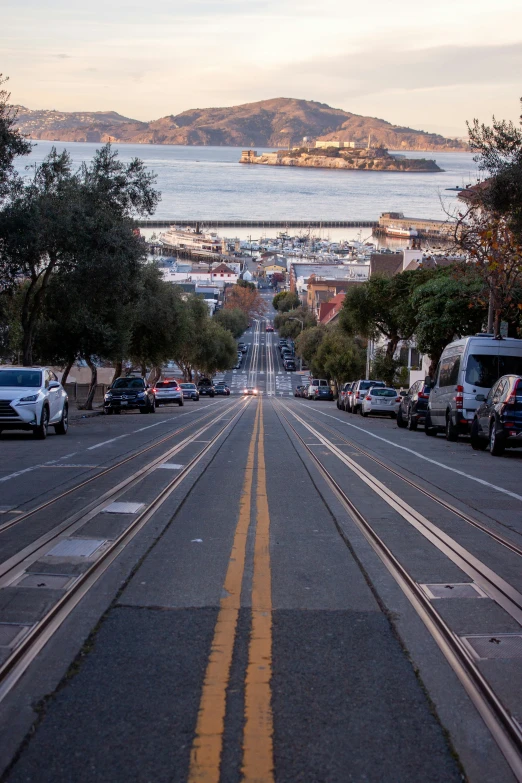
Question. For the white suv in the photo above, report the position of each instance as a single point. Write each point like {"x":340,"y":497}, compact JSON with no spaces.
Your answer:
{"x":31,"y":398}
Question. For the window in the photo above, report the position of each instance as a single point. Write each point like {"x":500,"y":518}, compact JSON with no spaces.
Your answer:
{"x":129,"y":383}
{"x":20,"y":378}
{"x":449,"y":370}
{"x":383,"y":392}
{"x":484,"y":370}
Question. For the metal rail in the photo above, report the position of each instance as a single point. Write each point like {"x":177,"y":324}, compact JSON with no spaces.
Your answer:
{"x":25,"y":653}
{"x":12,"y":522}
{"x":505,"y":730}
{"x":505,"y":542}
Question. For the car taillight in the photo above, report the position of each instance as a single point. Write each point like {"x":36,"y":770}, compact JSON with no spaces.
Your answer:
{"x":397,"y":399}
{"x":368,"y":398}
{"x":512,"y":399}
{"x":459,"y":397}
{"x":423,"y":396}
{"x":357,"y":395}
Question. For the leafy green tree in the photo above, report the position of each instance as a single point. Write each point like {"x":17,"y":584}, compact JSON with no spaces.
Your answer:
{"x":448,"y":306}
{"x":339,"y":357}
{"x":205,"y":346}
{"x":12,"y":143}
{"x":234,"y":320}
{"x":246,"y":284}
{"x":287,"y":327}
{"x":61,"y":217}
{"x":385,"y":368}
{"x":308,"y":342}
{"x":285,"y":301}
{"x":382,"y":306}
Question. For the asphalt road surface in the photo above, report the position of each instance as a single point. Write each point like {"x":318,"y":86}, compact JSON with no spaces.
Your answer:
{"x":258,"y":589}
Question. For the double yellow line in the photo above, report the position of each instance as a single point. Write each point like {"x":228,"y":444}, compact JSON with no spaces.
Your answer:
{"x":258,"y":765}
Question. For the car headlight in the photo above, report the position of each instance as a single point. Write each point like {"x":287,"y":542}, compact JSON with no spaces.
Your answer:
{"x":140,"y":395}
{"x":108,"y":396}
{"x":31,"y":398}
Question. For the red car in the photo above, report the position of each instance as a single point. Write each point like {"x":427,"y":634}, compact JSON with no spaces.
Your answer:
{"x":269,"y":328}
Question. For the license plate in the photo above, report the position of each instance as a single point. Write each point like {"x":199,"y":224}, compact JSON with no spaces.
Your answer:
{"x":123,"y":402}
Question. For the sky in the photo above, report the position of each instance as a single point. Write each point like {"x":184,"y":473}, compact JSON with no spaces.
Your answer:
{"x":427,"y":65}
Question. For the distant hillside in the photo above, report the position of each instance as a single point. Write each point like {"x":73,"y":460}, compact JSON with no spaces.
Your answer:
{"x":273,"y":123}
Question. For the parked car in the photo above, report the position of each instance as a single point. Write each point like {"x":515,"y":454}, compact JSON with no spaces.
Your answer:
{"x":206,"y":388}
{"x":498,"y":419}
{"x":222,"y":388}
{"x":289,"y":365}
{"x":32,"y":398}
{"x":414,"y":405}
{"x":190,"y":391}
{"x":380,"y":400}
{"x":298,"y":391}
{"x":243,"y":347}
{"x":343,"y":394}
{"x":319,"y":389}
{"x":358,"y":391}
{"x":131,"y":393}
{"x":468,"y":367}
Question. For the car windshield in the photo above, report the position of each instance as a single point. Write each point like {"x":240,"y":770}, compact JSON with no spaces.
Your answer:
{"x":166,"y":384}
{"x":188,"y":385}
{"x":383,"y":392}
{"x":128,"y":383}
{"x":368,"y":384}
{"x":485,"y":370}
{"x":24,"y":378}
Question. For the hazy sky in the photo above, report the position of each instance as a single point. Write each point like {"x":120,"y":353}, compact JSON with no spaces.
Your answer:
{"x":430,"y":65}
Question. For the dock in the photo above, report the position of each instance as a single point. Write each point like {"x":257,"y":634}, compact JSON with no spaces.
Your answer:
{"x":155,"y":223}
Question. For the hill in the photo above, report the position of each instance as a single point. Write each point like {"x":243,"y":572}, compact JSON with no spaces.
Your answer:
{"x":273,"y":123}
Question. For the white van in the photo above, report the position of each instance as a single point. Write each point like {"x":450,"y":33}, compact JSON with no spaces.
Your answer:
{"x":468,"y":367}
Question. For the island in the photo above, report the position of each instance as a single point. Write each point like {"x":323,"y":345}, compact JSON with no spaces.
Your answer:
{"x":341,"y":155}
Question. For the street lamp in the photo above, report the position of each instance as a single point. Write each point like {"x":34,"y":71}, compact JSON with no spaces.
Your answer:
{"x":302,"y":327}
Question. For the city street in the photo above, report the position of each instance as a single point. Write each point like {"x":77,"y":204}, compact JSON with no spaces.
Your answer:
{"x":261,"y":589}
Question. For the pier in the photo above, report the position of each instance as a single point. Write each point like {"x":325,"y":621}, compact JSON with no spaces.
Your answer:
{"x":154,"y":223}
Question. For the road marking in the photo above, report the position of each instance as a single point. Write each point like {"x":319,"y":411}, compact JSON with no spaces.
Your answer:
{"x":258,"y":752}
{"x":112,"y":440}
{"x":18,"y":473}
{"x":421,"y":456}
{"x":205,"y":757}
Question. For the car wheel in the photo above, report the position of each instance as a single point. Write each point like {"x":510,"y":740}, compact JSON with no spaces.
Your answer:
{"x":477,"y":443}
{"x":145,"y":410}
{"x":63,"y":425}
{"x":40,"y":431}
{"x":181,"y":402}
{"x":412,"y":421}
{"x":364,"y":414}
{"x":393,"y":415}
{"x":338,"y":406}
{"x":152,"y":408}
{"x":452,"y":432}
{"x":400,"y":421}
{"x":361,"y":411}
{"x":497,"y":445}
{"x":212,"y":395}
{"x":429,"y":429}
{"x":108,"y":411}
{"x":117,"y":411}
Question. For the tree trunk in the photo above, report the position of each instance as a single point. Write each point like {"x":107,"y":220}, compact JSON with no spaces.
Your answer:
{"x":491,"y":311}
{"x":496,"y":326}
{"x":393,"y":342}
{"x":94,"y":382}
{"x":143,"y":371}
{"x":154,"y":376}
{"x":118,"y":369}
{"x":67,"y":370}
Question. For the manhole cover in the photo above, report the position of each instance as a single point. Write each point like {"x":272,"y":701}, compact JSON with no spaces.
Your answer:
{"x":12,"y":633}
{"x":123,"y":508}
{"x":499,"y":645}
{"x":170,"y":466}
{"x":49,"y":581}
{"x":454,"y":590}
{"x":76,"y":547}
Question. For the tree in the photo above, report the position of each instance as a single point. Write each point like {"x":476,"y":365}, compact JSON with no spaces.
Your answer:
{"x":234,"y":320}
{"x":204,"y":346}
{"x":285,"y":301}
{"x":12,"y":143}
{"x":308,"y":342}
{"x":61,"y":216}
{"x":247,"y":299}
{"x":288,"y":324}
{"x":381,"y":306}
{"x":339,"y":357}
{"x":385,"y":368}
{"x":449,"y":305}
{"x":246,"y":284}
{"x":499,"y":149}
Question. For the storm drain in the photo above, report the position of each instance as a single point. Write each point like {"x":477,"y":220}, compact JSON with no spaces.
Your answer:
{"x":170,"y":466}
{"x":496,"y":646}
{"x":76,"y":547}
{"x":12,"y":633}
{"x":456,"y":590}
{"x":123,"y":508}
{"x":49,"y":581}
